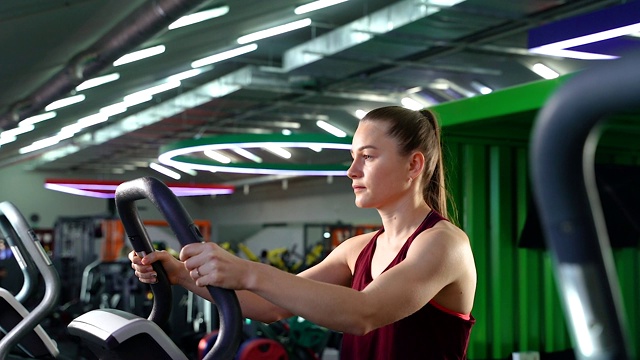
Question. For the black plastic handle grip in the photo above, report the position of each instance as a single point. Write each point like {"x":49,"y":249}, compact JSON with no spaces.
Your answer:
{"x":23,"y":233}
{"x":187,"y":232}
{"x":27,"y":266}
{"x":563,"y":147}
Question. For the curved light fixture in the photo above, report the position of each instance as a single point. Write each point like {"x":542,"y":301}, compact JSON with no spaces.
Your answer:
{"x":106,"y":189}
{"x":185,"y":153}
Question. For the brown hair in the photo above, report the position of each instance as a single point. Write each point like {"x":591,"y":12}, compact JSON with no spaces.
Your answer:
{"x":418,"y":130}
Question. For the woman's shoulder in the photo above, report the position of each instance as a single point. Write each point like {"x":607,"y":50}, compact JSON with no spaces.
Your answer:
{"x":445,"y":236}
{"x":352,"y":247}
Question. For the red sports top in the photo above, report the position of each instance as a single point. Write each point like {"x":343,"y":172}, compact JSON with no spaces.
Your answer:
{"x":433,"y":332}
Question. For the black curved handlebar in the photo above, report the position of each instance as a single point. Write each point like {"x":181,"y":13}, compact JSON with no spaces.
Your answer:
{"x":25,"y":262}
{"x":186,"y":232}
{"x":12,"y":217}
{"x":563,"y":147}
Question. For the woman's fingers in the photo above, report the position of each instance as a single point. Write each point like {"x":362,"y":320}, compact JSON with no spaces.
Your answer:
{"x":143,"y":269}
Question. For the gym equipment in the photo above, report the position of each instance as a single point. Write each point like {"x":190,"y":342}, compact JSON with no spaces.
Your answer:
{"x":564,"y":141}
{"x":25,"y":262}
{"x":20,"y":327}
{"x":113,"y":333}
{"x":262,"y":349}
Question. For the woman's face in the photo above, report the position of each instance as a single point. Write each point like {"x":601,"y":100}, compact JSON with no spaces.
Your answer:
{"x":378,"y":172}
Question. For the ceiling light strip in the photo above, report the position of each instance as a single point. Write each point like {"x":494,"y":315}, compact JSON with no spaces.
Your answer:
{"x":316,"y":5}
{"x":165,"y":171}
{"x":276,"y":30}
{"x":106,"y":189}
{"x":139,"y":55}
{"x":224,"y":55}
{"x":200,"y":16}
{"x":97,"y":81}
{"x":64,"y":102}
{"x":186,"y":153}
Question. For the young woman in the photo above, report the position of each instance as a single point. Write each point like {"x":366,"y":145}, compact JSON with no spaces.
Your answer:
{"x":404,"y":292}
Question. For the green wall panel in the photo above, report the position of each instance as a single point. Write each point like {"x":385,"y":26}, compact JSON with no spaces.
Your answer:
{"x":517,"y":304}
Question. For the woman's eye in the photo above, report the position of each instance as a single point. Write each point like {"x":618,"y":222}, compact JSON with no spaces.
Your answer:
{"x":366,"y":157}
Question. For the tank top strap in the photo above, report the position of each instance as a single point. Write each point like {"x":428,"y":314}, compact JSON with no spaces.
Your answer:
{"x":429,"y":221}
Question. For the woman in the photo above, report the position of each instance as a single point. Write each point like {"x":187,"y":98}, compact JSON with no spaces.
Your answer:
{"x":404,"y":292}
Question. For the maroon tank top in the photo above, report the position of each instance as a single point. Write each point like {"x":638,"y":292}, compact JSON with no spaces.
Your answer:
{"x":432,"y":332}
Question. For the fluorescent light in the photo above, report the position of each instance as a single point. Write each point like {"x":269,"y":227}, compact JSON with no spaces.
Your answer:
{"x":411,"y":104}
{"x":92,"y":120}
{"x":277,"y":30}
{"x":360,"y":113}
{"x":64,"y":102}
{"x":330,"y":129}
{"x":70,"y":130}
{"x":186,"y":170}
{"x":481,"y":88}
{"x":7,"y":139}
{"x":85,"y":122}
{"x":188,"y":152}
{"x":188,"y":74}
{"x":139,"y":55}
{"x":316,"y":5}
{"x":134,"y":99}
{"x":286,"y":132}
{"x":224,"y":55}
{"x":278,"y":151}
{"x":543,"y":50}
{"x":544,"y":71}
{"x":316,"y":148}
{"x":244,"y":153}
{"x":149,"y":92}
{"x":199,"y":17}
{"x":114,"y":109}
{"x":217,"y":156}
{"x":12,"y":133}
{"x":98,"y":81}
{"x":106,"y":189}
{"x":41,"y":144}
{"x":37,"y":118}
{"x":165,"y":171}
{"x":559,"y":48}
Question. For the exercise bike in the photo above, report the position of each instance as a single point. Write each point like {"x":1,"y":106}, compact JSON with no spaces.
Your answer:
{"x":19,"y":327}
{"x":115,"y":334}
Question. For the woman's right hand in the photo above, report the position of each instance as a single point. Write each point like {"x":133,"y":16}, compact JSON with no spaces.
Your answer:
{"x":175,"y":269}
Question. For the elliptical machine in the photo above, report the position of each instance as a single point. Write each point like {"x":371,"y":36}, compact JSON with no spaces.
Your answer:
{"x":563,"y":143}
{"x":20,"y":327}
{"x":115,"y":334}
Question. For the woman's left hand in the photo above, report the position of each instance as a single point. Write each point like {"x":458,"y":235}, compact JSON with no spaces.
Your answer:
{"x":209,"y":264}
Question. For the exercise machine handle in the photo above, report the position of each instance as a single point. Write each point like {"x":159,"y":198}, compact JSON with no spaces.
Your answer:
{"x":186,"y":232}
{"x":28,"y":239}
{"x":563,"y":144}
{"x":24,"y":260}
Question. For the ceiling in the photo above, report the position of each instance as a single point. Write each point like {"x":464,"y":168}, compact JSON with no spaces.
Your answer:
{"x":409,"y":48}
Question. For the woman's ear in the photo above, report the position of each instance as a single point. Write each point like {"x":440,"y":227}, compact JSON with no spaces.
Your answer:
{"x":416,"y":164}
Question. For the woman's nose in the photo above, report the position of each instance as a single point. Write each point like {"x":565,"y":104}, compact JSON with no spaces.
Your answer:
{"x":353,"y":171}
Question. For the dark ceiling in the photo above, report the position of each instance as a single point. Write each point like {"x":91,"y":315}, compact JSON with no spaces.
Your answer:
{"x":359,"y":54}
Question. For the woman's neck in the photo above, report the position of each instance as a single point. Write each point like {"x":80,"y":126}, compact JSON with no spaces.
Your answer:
{"x":402,"y":222}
